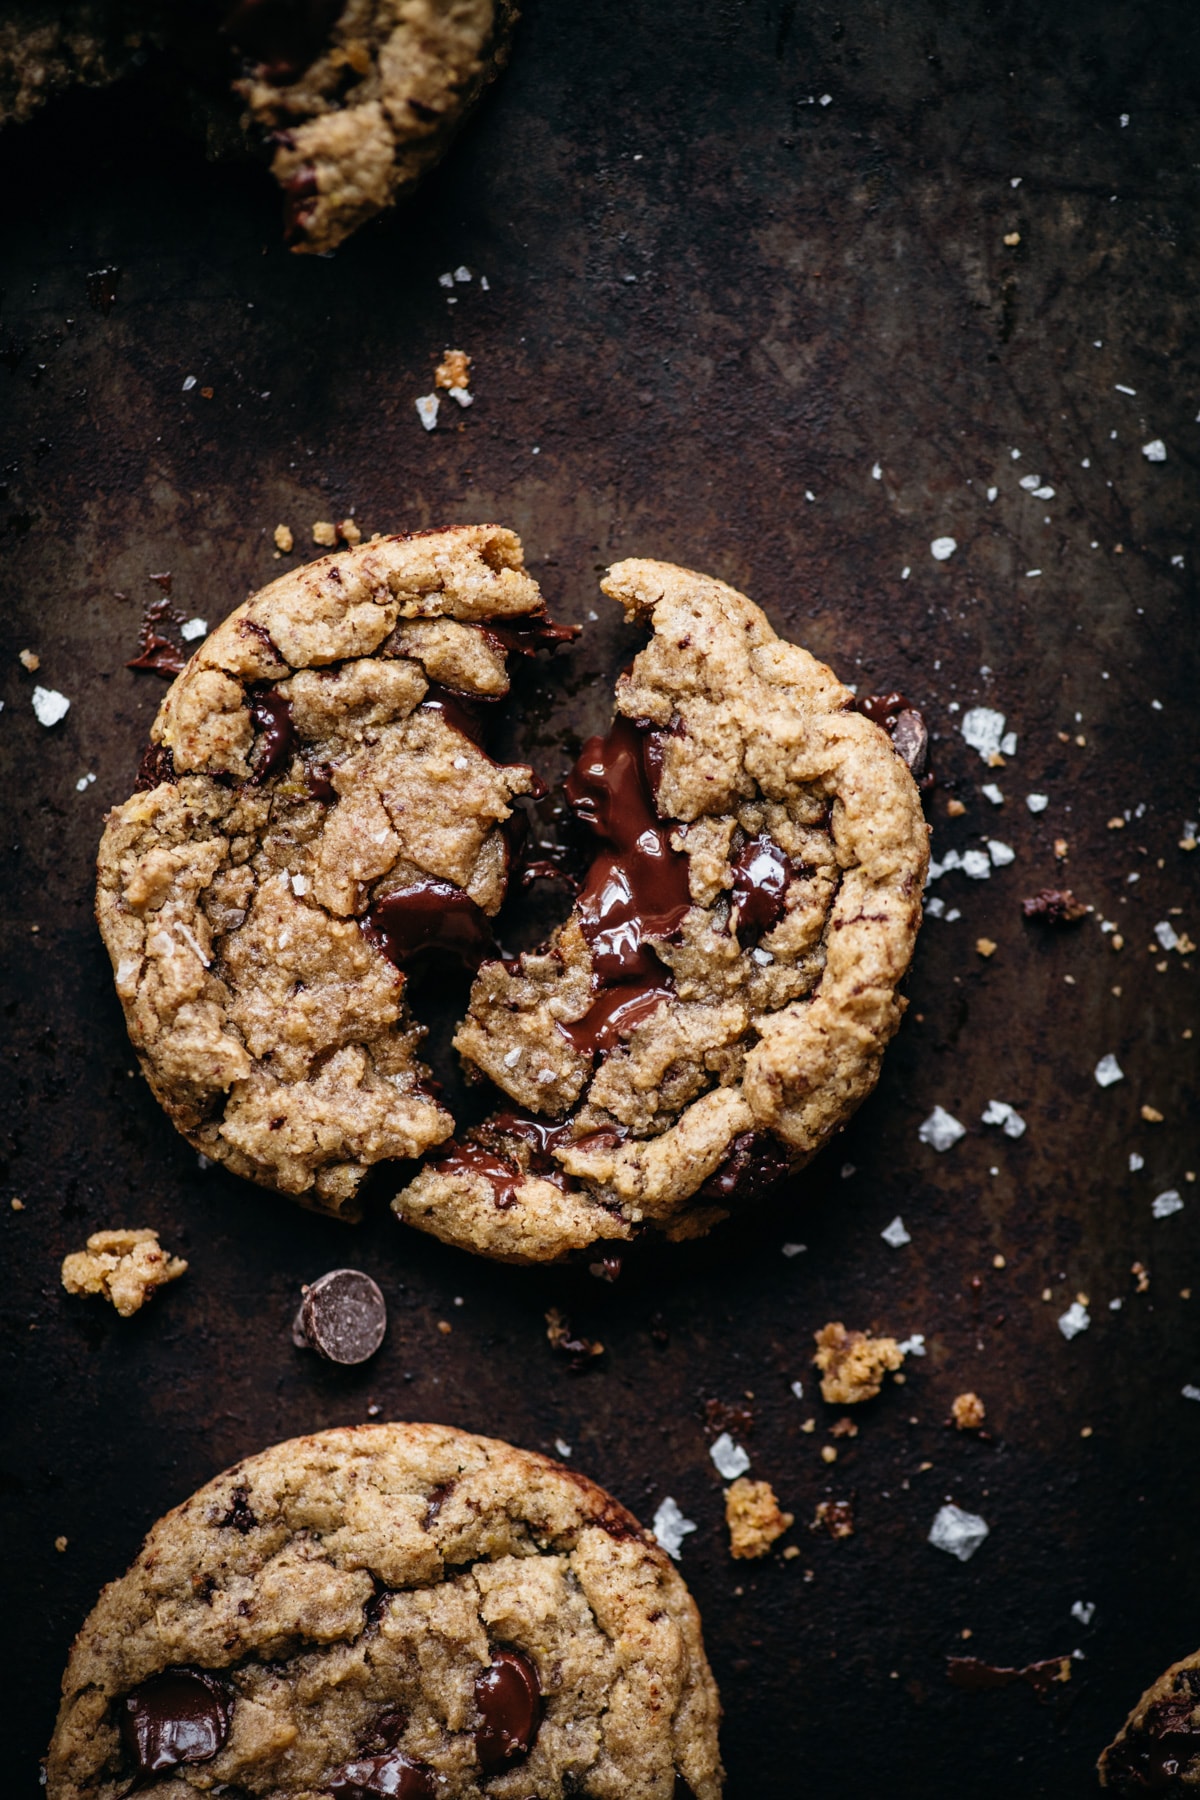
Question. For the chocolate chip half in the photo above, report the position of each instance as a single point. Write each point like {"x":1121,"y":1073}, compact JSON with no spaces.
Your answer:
{"x":509,"y":1698}
{"x":181,"y":1716}
{"x":342,"y":1316}
{"x":393,"y":1775}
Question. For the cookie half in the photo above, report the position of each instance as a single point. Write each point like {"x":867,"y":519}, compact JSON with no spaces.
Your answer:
{"x":316,"y":809}
{"x":1157,"y":1750}
{"x":719,"y":1000}
{"x":399,"y":1610}
{"x":361,"y":97}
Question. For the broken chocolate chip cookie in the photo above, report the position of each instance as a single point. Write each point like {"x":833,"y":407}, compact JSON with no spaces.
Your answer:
{"x":316,"y":809}
{"x":719,"y":1000}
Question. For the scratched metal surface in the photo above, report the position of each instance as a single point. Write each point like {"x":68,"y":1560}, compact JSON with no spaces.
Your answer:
{"x":715,"y":303}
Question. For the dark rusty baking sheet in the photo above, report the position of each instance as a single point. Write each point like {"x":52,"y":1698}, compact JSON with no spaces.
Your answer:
{"x":715,"y":302}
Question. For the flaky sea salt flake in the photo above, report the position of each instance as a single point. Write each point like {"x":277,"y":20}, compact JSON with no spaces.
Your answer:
{"x":958,"y":1533}
{"x":670,"y":1527}
{"x":1076,"y":1319}
{"x":1108,"y":1070}
{"x":943,"y":548}
{"x":941,"y":1129}
{"x":982,"y":728}
{"x":895,"y":1234}
{"x":427,"y":410}
{"x":1155,"y":450}
{"x":49,"y":706}
{"x":1163,"y":1205}
{"x":729,"y":1459}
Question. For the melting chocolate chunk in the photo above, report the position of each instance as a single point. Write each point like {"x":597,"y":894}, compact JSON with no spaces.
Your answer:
{"x":181,"y":1716}
{"x":1054,"y":906}
{"x":542,"y":1138}
{"x":457,"y":711}
{"x":636,"y":887}
{"x":272,"y":716}
{"x":761,"y":873}
{"x":283,"y":36}
{"x":1153,"y":1758}
{"x":343,"y":1317}
{"x":240,"y":1517}
{"x":754,"y":1165}
{"x":976,"y":1676}
{"x":528,"y":633}
{"x":509,"y":1698}
{"x":157,"y":765}
{"x":393,"y":1775}
{"x":430,"y":915}
{"x":903,"y":724}
{"x":472,"y":1159}
{"x":317,"y":779}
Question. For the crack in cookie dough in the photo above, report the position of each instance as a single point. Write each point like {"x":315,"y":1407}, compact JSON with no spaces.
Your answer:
{"x":361,"y":106}
{"x":347,"y":1595}
{"x":719,"y":1000}
{"x":317,"y":807}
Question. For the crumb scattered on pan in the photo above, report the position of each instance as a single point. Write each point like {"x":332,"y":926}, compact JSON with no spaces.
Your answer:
{"x":324,"y":532}
{"x":124,"y":1266}
{"x":454,"y":370}
{"x":579,"y":1350}
{"x":753,"y":1517}
{"x":853,"y":1364}
{"x":834,"y":1516}
{"x":283,"y":538}
{"x":969,"y":1411}
{"x":29,"y":659}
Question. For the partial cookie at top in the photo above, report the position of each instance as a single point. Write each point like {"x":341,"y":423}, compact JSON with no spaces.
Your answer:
{"x":400,"y":1610}
{"x":316,"y":807}
{"x":719,"y":1000}
{"x":361,"y":97}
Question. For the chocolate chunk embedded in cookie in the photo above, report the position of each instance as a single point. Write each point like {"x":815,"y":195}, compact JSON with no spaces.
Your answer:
{"x":315,"y":811}
{"x":719,"y":1000}
{"x":399,"y":1610}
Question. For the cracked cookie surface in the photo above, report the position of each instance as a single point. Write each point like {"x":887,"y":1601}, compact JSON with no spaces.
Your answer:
{"x":1157,"y":1750}
{"x":392,"y":1609}
{"x":719,"y":1000}
{"x":361,"y":97}
{"x":314,"y":807}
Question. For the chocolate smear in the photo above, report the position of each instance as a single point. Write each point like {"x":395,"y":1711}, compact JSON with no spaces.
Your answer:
{"x":1153,"y":1757}
{"x":1054,"y":906}
{"x":527,"y":633}
{"x":343,"y":1317}
{"x":457,"y":711}
{"x":975,"y":1676}
{"x":509,"y":1698}
{"x":394,"y":1776}
{"x":272,"y":716}
{"x":580,"y":1351}
{"x":157,"y":653}
{"x":181,"y":1716}
{"x":472,"y":1159}
{"x":430,"y":915}
{"x":904,"y":725}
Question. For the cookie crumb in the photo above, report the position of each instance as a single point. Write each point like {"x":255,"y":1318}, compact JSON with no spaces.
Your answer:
{"x":955,"y":809}
{"x":1054,"y":906}
{"x":60,"y":1544}
{"x":125,"y":1266}
{"x":1152,"y":1115}
{"x":844,"y":1427}
{"x":986,"y":946}
{"x":454,"y":370}
{"x":283,"y":538}
{"x":349,"y":532}
{"x":791,"y":1553}
{"x":580,"y":1350}
{"x":1141,"y":1275}
{"x":29,"y":659}
{"x":828,"y":1453}
{"x":969,"y":1412}
{"x":324,"y":532}
{"x":753,"y":1517}
{"x":853,"y":1364}
{"x":998,"y":1261}
{"x":17,"y":1205}
{"x":1061,"y":848}
{"x":834,"y":1516}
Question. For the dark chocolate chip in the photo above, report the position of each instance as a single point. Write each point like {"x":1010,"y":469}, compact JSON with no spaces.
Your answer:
{"x":239,"y":1517}
{"x":342,"y":1316}
{"x":181,"y":1716}
{"x":394,"y":1776}
{"x":157,"y":765}
{"x":906,"y":727}
{"x":509,"y":1698}
{"x":754,"y":1165}
{"x":472,"y":1159}
{"x":761,"y":873}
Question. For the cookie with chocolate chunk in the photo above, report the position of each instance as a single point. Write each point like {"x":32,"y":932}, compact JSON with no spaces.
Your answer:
{"x":719,"y":1000}
{"x":361,"y":97}
{"x":400,"y":1610}
{"x":1157,"y":1750}
{"x":315,"y":809}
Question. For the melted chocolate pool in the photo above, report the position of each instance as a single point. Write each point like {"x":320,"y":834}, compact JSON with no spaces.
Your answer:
{"x":430,"y":915}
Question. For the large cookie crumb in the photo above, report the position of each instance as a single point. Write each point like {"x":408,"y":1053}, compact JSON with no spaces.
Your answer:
{"x":753,"y":1517}
{"x":852,"y":1364}
{"x":124,"y":1266}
